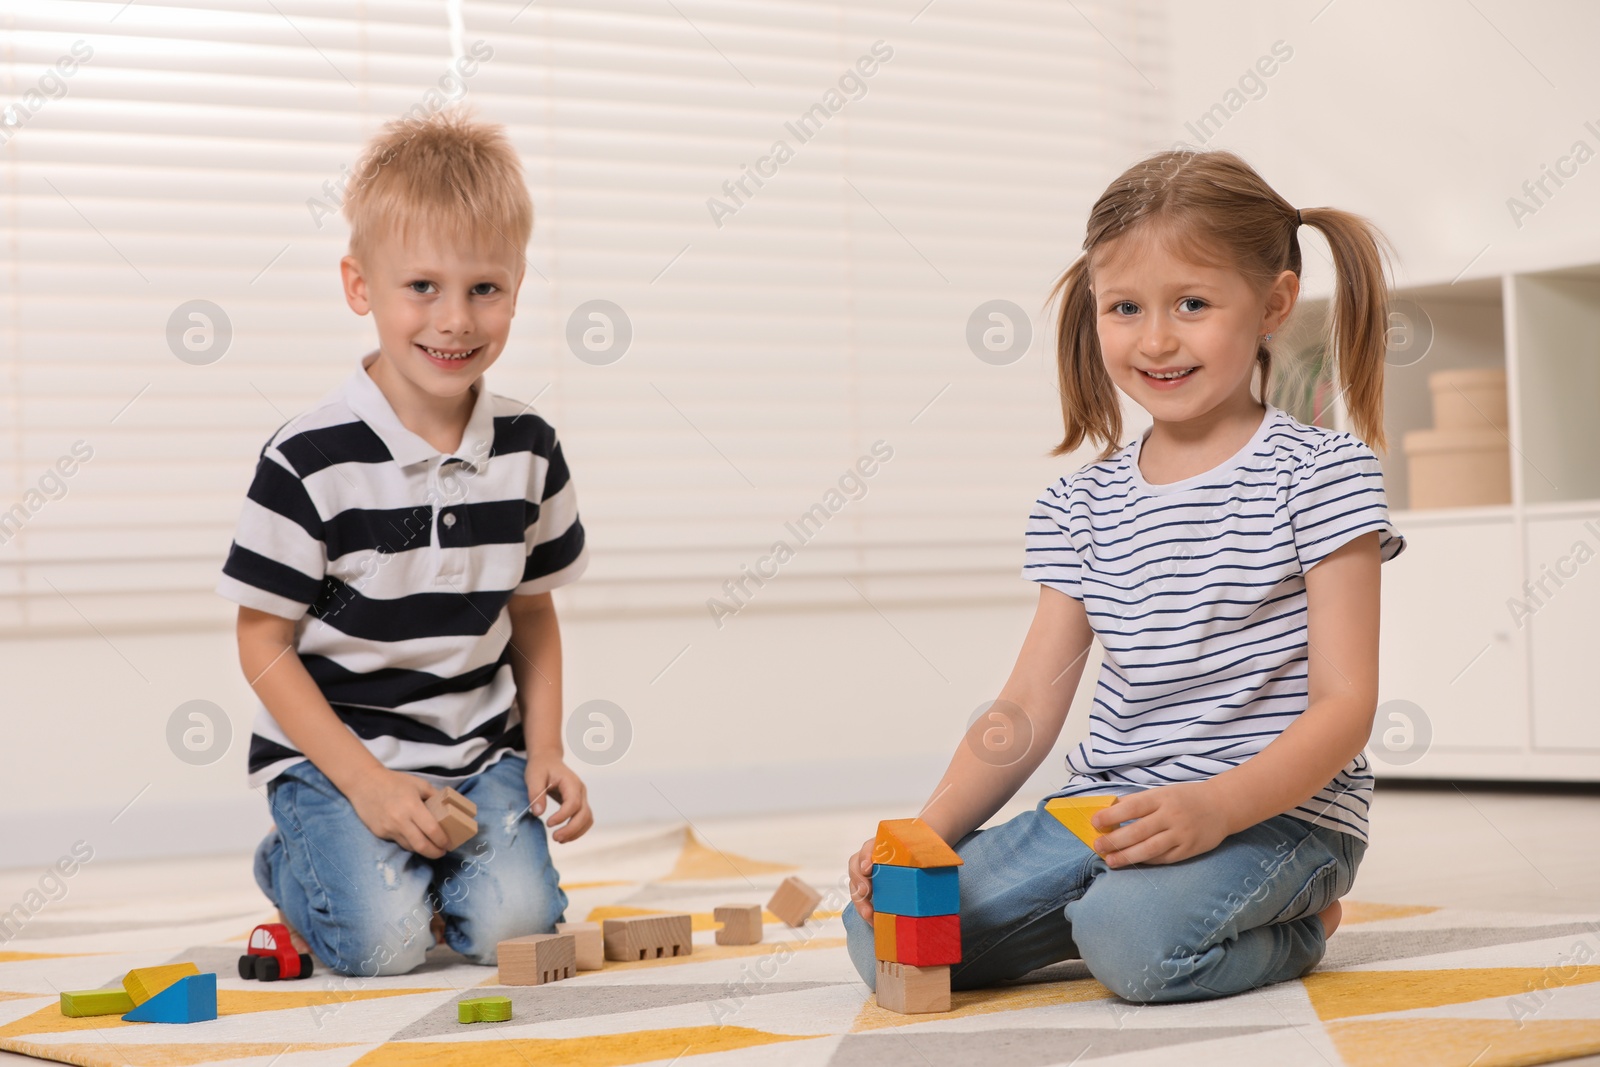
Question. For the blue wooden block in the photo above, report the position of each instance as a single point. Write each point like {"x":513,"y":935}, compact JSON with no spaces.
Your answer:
{"x":192,"y":999}
{"x":916,"y":890}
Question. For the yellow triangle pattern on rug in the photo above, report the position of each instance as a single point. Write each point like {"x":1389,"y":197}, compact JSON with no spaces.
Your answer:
{"x":697,"y":863}
{"x":23,"y":957}
{"x":1459,"y":1042}
{"x":49,"y":1020}
{"x":1340,"y":994}
{"x":129,"y":1055}
{"x":1361,"y":911}
{"x":972,"y":1002}
{"x":600,"y":1050}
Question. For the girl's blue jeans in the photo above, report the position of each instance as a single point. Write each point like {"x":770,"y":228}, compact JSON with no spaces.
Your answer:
{"x":1240,"y":916}
{"x":364,"y":905}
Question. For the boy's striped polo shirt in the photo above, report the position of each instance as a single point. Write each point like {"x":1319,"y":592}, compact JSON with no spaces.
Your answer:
{"x":397,"y":563}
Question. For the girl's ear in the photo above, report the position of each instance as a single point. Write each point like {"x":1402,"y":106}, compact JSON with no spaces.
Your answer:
{"x":1281,"y":298}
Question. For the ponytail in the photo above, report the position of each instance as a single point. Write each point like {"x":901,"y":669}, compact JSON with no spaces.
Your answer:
{"x":1089,"y":405}
{"x":1360,"y":316}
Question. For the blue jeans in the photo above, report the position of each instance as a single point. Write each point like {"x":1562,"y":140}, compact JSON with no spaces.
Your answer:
{"x":364,"y":905}
{"x":1240,"y":916}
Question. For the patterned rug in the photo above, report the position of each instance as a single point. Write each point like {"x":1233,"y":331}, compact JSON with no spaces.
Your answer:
{"x":1401,"y":985}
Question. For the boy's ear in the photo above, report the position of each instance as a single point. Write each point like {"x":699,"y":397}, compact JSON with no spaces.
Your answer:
{"x":355,"y":285}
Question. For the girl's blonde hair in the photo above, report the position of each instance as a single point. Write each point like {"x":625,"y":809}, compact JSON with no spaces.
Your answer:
{"x":1223,"y":213}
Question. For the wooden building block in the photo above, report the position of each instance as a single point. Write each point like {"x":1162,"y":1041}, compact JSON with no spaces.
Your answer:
{"x":1075,"y":812}
{"x":927,"y":940}
{"x":483,"y":1010}
{"x":142,"y":983}
{"x":456,"y":814}
{"x":883,"y":936}
{"x":913,"y":990}
{"x":649,"y":937}
{"x":794,"y":901}
{"x":916,"y":890}
{"x":912,"y":843}
{"x":84,"y":1003}
{"x":191,"y":999}
{"x":537,"y":959}
{"x":591,"y":947}
{"x":741,"y":924}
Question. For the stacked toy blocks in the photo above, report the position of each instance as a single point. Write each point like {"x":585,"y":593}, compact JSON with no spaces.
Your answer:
{"x":173,"y":993}
{"x":916,"y":923}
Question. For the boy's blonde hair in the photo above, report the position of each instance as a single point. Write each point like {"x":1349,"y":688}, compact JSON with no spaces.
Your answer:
{"x":445,"y":172}
{"x":1223,"y":213}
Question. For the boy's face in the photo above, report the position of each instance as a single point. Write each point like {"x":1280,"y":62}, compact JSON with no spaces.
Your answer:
{"x":443,"y":307}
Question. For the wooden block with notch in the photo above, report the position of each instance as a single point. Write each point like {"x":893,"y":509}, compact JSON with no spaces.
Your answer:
{"x":911,"y":990}
{"x":741,"y":924}
{"x":648,"y":937}
{"x":142,"y":983}
{"x":537,"y":959}
{"x":1075,"y":812}
{"x":456,"y":814}
{"x":591,"y":947}
{"x":794,"y":901}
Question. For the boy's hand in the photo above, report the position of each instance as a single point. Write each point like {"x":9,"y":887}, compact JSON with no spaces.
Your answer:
{"x":859,"y":867}
{"x":391,"y":804}
{"x":1172,"y":823}
{"x":549,"y":777}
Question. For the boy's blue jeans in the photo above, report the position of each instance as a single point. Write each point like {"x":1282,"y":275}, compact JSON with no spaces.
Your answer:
{"x":364,"y":905}
{"x":1240,"y":916}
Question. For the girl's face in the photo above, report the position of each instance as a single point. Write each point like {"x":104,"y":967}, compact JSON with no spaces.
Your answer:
{"x":1179,"y":337}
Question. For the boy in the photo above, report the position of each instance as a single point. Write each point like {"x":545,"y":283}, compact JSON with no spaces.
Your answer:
{"x":393,"y":567}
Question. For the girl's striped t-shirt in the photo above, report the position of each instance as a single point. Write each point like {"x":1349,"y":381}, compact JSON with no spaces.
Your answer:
{"x":397,"y":563}
{"x":1196,"y":590}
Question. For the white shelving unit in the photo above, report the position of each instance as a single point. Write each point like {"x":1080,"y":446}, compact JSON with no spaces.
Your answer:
{"x":1491,"y":617}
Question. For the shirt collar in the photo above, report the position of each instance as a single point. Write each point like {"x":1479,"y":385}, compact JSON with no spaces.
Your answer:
{"x":367,"y":401}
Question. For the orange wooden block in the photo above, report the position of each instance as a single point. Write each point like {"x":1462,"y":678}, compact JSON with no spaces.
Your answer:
{"x":912,"y":843}
{"x":884,"y":942}
{"x":1075,"y":812}
{"x":912,"y":990}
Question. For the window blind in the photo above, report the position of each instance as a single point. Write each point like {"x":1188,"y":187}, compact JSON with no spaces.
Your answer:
{"x":793,"y":214}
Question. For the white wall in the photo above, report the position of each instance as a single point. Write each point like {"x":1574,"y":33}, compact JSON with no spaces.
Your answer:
{"x":1425,"y":116}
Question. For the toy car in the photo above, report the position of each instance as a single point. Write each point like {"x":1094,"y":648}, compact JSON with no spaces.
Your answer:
{"x":271,"y":957}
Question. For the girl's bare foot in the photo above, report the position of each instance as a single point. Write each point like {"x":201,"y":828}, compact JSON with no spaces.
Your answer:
{"x":436,"y":927}
{"x":1330,"y":918}
{"x":295,"y":939}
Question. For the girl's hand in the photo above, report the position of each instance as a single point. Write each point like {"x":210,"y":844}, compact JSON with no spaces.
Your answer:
{"x":859,"y":868}
{"x":391,"y":805}
{"x":1171,"y":823}
{"x":549,"y":777}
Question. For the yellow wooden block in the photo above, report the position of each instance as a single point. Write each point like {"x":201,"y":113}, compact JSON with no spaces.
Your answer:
{"x":883,"y":937}
{"x":912,"y":843}
{"x":1075,"y":812}
{"x":142,"y":983}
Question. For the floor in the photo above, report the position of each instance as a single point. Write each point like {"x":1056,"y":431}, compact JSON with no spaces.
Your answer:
{"x":1471,"y":848}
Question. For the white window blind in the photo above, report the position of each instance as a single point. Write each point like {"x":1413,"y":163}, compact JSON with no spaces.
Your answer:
{"x":778,"y":330}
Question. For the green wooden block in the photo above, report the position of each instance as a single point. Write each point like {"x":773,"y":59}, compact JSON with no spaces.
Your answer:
{"x":484,"y":1010}
{"x":86,"y":1002}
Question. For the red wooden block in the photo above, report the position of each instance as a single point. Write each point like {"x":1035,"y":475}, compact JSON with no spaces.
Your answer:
{"x":927,"y":940}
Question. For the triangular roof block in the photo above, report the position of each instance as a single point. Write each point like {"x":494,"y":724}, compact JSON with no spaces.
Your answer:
{"x":188,"y":1000}
{"x":912,"y":843}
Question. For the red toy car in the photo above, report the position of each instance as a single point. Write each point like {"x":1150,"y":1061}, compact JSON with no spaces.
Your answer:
{"x":272,"y":957}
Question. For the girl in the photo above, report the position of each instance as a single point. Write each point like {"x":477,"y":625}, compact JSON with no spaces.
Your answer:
{"x":1228,"y":563}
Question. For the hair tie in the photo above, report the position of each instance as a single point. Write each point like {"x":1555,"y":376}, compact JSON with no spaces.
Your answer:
{"x":1298,"y":221}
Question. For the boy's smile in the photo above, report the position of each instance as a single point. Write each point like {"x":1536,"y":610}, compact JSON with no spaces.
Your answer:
{"x":443,"y":310}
